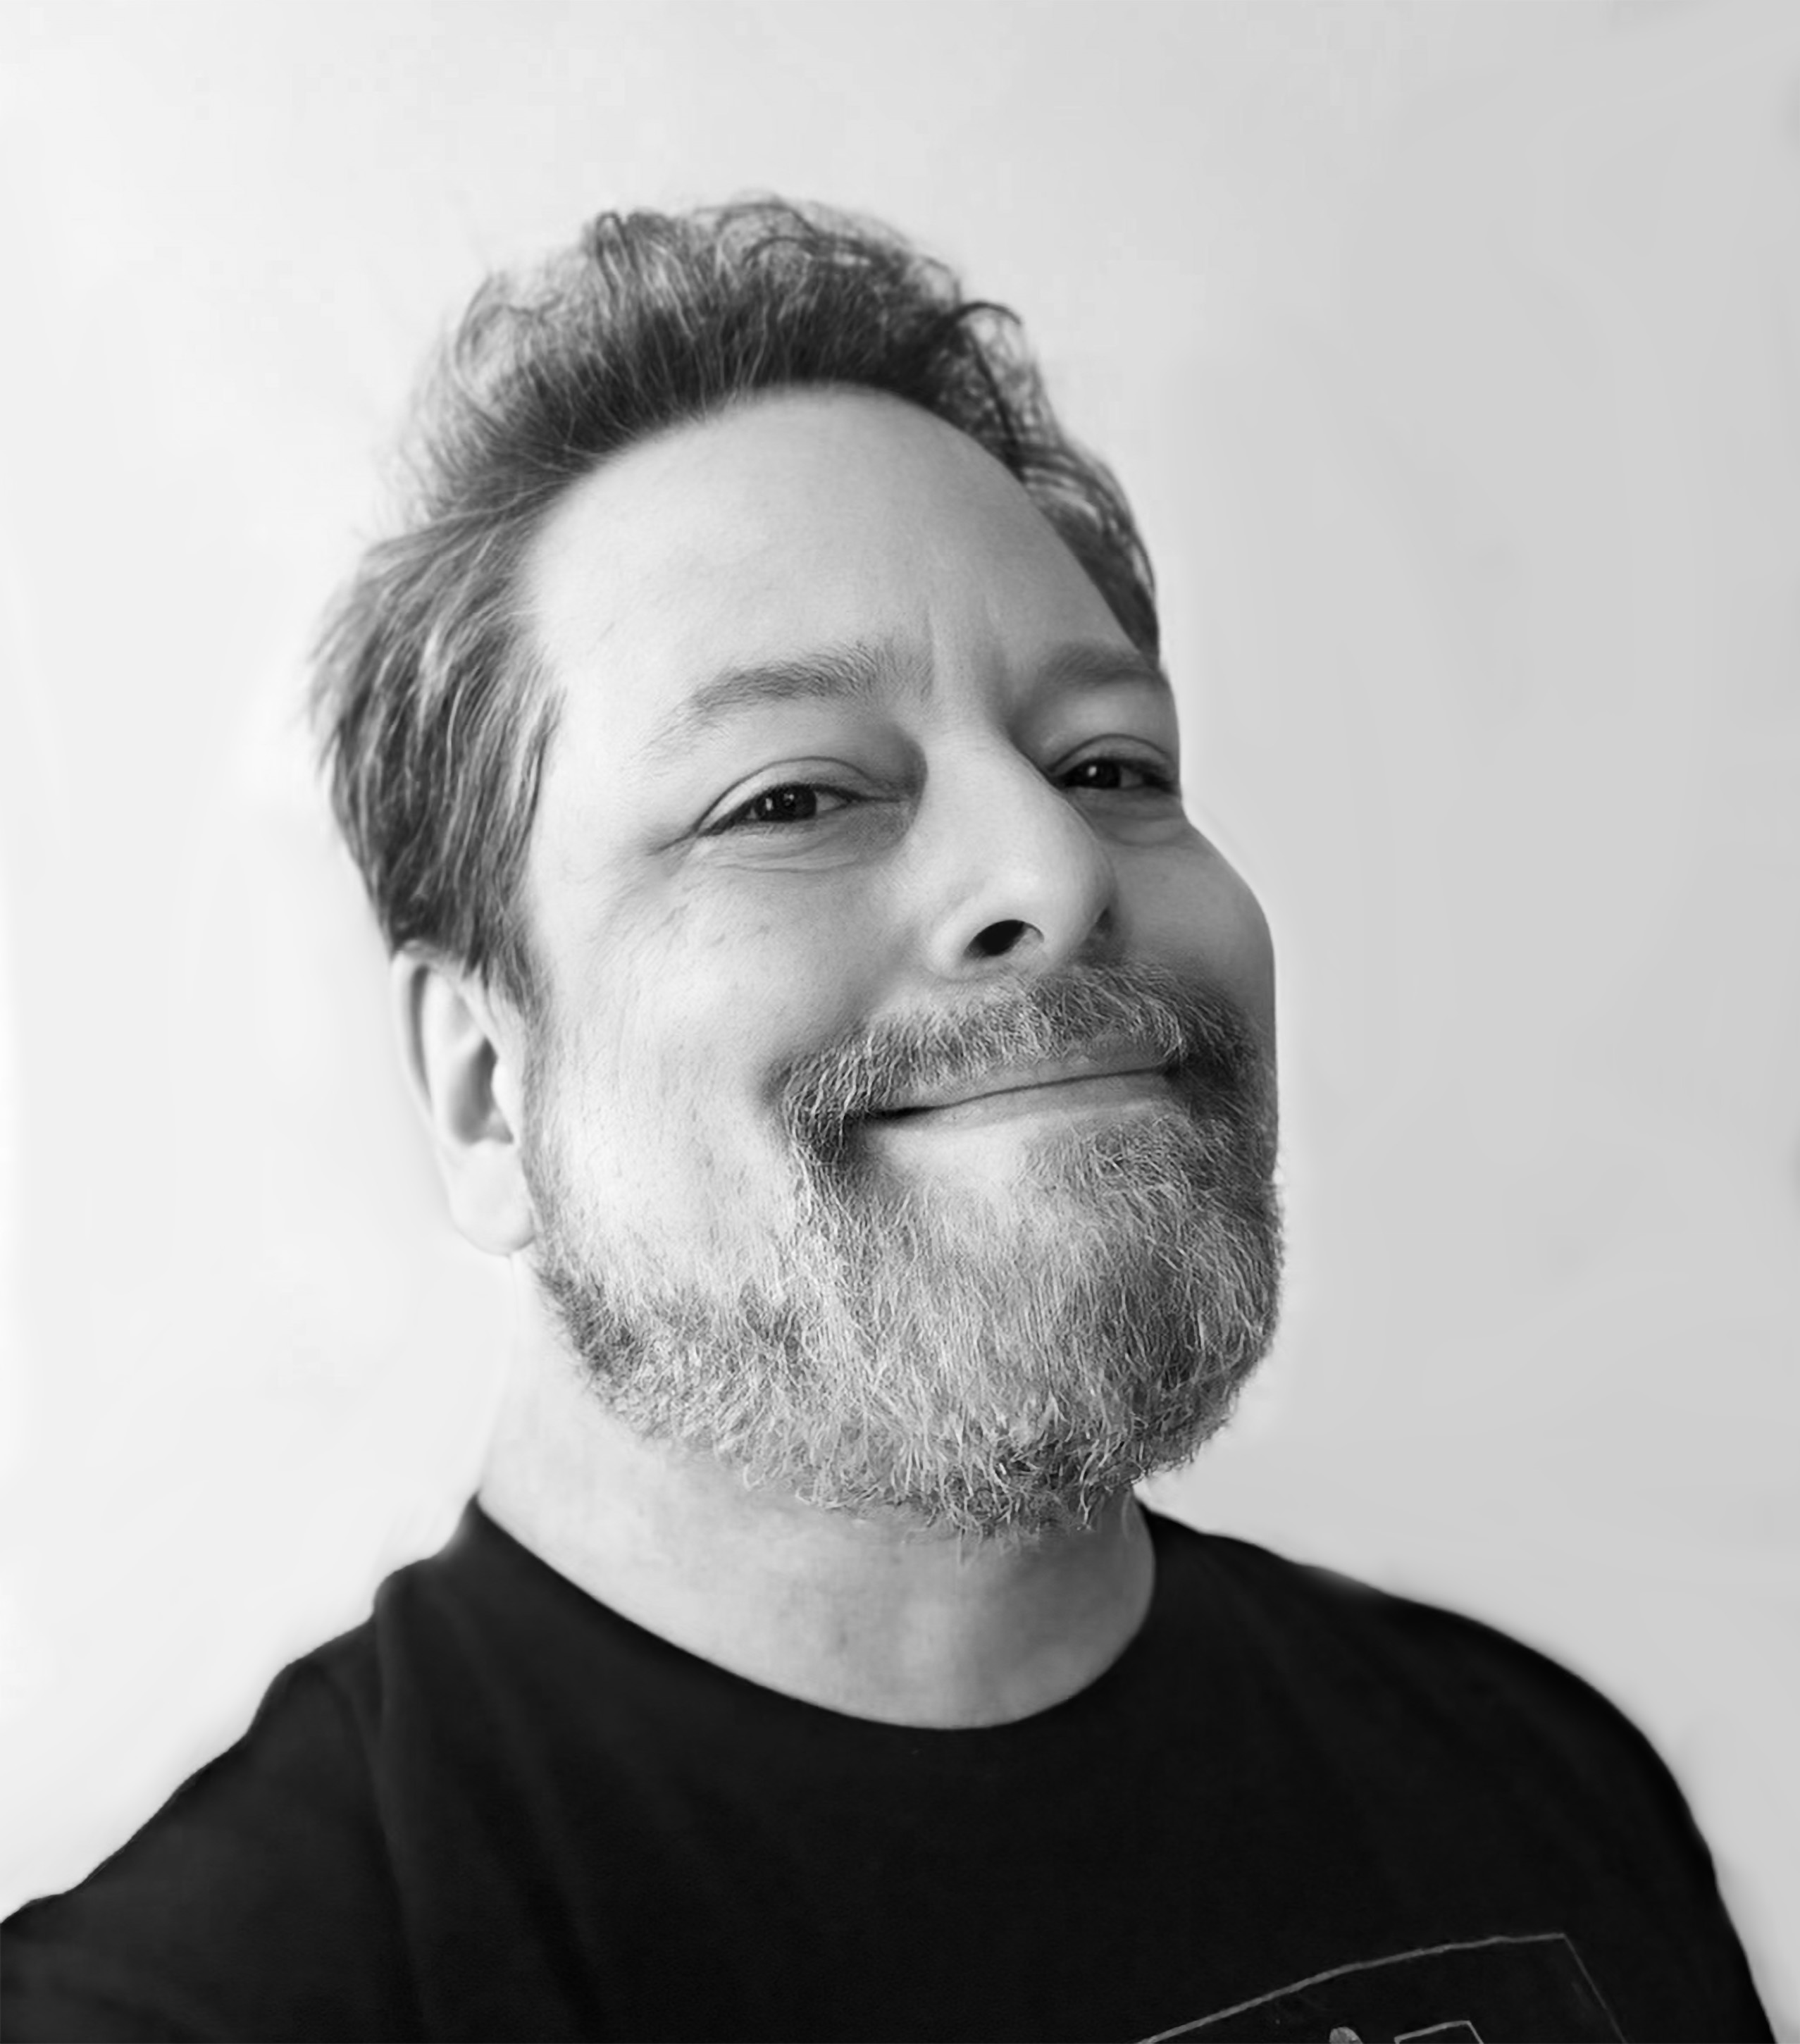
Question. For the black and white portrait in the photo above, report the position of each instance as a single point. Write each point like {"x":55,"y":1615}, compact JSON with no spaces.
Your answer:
{"x":900,"y":1134}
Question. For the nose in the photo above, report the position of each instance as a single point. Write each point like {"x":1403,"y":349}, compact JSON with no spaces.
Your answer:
{"x":1018,"y":877}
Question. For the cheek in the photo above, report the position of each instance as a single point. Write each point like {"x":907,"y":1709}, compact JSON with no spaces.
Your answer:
{"x":729,"y":990}
{"x":1251,"y":949}
{"x":1196,"y":913}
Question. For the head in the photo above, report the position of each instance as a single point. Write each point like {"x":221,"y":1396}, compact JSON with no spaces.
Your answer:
{"x":756,"y":752}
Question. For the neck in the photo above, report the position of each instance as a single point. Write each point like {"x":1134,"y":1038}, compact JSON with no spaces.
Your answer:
{"x":876,"y":1619}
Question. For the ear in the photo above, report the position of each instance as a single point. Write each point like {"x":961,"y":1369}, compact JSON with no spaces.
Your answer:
{"x":462,"y":1063}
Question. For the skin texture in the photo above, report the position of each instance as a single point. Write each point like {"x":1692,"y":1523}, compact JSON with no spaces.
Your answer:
{"x":992,"y":804}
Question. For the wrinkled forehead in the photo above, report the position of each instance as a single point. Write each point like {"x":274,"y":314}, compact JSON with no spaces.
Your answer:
{"x":800,"y":526}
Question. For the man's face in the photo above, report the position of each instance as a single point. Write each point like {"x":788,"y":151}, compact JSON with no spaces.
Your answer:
{"x":901,"y":1126}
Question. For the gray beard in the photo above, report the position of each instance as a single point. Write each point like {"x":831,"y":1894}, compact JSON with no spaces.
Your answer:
{"x":964,"y":1363}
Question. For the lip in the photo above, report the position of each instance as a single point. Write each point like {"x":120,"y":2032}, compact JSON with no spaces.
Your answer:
{"x":1088,"y":1081}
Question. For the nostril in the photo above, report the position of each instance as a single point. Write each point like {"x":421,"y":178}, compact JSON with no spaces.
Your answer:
{"x":999,"y":938}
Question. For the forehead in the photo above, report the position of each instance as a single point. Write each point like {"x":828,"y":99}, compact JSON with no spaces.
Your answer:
{"x":793,"y":523}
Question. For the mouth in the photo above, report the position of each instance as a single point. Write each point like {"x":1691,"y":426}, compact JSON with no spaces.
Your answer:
{"x":1069,"y":1087}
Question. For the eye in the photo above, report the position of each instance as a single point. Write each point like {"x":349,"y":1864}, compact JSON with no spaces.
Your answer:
{"x":791,"y":802}
{"x":1114,"y":773}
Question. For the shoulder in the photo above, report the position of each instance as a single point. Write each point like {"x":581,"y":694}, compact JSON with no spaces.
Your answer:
{"x":1398,"y":1655}
{"x":1470,"y":1747}
{"x":254,"y":1903}
{"x":1293,"y":1609}
{"x":1403,"y":1689}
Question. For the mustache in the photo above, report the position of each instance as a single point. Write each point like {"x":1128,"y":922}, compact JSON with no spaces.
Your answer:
{"x":1198,"y":1035}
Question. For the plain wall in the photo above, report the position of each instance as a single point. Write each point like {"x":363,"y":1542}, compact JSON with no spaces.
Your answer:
{"x":1449,"y":353}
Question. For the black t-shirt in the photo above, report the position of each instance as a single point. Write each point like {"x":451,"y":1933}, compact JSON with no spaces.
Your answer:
{"x":1295,"y":1807}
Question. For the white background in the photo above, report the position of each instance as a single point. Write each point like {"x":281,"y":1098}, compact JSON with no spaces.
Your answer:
{"x":1451,"y":353}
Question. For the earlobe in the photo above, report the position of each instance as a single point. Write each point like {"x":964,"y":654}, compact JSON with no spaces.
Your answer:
{"x":458,"y":1068}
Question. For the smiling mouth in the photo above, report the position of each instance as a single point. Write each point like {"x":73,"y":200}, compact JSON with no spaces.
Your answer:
{"x":1088,"y":1086}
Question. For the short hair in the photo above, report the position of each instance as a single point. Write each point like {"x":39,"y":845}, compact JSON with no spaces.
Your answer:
{"x":433,"y":708}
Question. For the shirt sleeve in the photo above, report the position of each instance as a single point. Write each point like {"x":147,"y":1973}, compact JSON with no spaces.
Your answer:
{"x":255,"y":1904}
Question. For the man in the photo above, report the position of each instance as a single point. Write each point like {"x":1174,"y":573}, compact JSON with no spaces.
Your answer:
{"x":757,"y":751}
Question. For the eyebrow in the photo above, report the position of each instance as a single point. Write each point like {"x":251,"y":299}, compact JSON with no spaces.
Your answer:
{"x":860,"y":671}
{"x":855,"y":672}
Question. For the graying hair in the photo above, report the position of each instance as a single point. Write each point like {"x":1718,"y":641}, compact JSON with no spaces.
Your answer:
{"x":433,"y":710}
